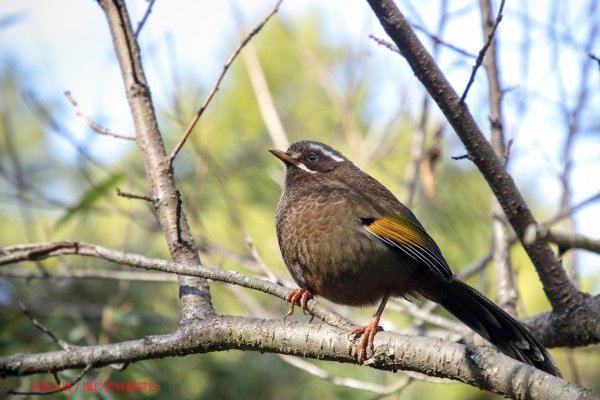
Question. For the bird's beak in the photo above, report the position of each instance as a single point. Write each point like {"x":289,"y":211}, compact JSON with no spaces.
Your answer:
{"x":283,"y":156}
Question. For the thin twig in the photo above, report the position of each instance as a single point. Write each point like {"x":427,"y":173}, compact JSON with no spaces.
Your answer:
{"x":39,"y":251}
{"x":318,"y":372}
{"x":508,"y":150}
{"x":215,"y":87}
{"x":437,"y":40}
{"x":506,"y":292}
{"x":94,"y":125}
{"x":135,"y":196}
{"x":144,"y":18}
{"x":259,"y":260}
{"x":64,"y":345}
{"x":139,"y":276}
{"x":479,"y":265}
{"x":406,"y":307}
{"x":595,"y":58}
{"x":463,"y":157}
{"x":482,"y":52}
{"x":385,"y":43}
{"x":567,"y":212}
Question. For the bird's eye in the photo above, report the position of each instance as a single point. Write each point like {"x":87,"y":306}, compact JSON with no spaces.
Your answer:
{"x":311,"y":157}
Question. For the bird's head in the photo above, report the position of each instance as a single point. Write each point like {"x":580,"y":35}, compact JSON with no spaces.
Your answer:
{"x":307,"y":158}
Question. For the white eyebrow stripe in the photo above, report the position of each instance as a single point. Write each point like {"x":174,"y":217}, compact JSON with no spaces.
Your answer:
{"x":301,"y":165}
{"x":327,"y":153}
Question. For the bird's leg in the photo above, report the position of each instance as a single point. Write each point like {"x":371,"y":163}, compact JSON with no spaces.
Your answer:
{"x":293,"y":296}
{"x":368,"y":331}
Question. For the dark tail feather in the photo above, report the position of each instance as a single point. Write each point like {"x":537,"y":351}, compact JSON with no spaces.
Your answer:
{"x":496,"y":326}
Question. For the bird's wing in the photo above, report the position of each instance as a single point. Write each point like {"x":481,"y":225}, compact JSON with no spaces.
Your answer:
{"x":402,"y":231}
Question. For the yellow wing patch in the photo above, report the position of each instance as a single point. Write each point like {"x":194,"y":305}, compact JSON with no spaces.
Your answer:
{"x":406,"y":234}
{"x":400,"y":229}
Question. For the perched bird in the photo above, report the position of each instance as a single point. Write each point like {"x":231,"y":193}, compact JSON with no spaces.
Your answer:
{"x":345,"y":237}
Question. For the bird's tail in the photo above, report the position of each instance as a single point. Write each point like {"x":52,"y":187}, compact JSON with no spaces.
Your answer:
{"x":496,"y":326}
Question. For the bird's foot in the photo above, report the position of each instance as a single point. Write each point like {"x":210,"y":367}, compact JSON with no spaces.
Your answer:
{"x":368,"y":333}
{"x":298,"y":294}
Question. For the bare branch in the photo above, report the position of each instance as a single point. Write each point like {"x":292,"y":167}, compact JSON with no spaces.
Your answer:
{"x":595,"y":58}
{"x":144,"y":18}
{"x":134,"y":196}
{"x":139,"y":276}
{"x":565,"y":241}
{"x":463,"y":157}
{"x":506,"y":293}
{"x":95,"y":126}
{"x":39,"y":251}
{"x":561,"y":329}
{"x":193,"y":292}
{"x":215,"y":87}
{"x":572,"y":119}
{"x":482,"y":367}
{"x":64,"y":345}
{"x":482,"y":52}
{"x":572,"y":209}
{"x":438,"y":40}
{"x":560,"y":291}
{"x":385,"y":43}
{"x":406,"y":307}
{"x":259,"y":260}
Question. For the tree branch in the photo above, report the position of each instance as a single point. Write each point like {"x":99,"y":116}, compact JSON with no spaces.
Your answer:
{"x":506,"y":293}
{"x":112,"y":275}
{"x":94,"y":125}
{"x":565,"y":241}
{"x":480,"y":57}
{"x":483,"y":367}
{"x":215,"y":87}
{"x":553,"y":329}
{"x":39,"y":251}
{"x":561,"y":292}
{"x":194,"y":292}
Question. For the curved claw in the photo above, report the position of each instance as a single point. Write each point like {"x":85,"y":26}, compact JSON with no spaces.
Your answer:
{"x":368,"y":334}
{"x":298,"y":294}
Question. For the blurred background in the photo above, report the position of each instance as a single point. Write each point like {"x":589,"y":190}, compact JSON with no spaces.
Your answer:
{"x":313,"y":72}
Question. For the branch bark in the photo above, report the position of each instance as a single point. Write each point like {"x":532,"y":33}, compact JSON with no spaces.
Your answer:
{"x":561,"y":292}
{"x":479,"y":366}
{"x":506,"y":294}
{"x":194,"y":292}
{"x":552,"y":329}
{"x":564,"y":241}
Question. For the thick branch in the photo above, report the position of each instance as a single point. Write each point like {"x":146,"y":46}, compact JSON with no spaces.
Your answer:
{"x":565,"y":241}
{"x":194,"y":292}
{"x":478,"y":366}
{"x":560,"y":291}
{"x":575,"y":328}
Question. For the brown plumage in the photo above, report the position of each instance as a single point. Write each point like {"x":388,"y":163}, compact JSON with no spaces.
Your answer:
{"x":345,"y":237}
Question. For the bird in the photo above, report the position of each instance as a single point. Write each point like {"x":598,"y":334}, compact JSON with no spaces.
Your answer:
{"x":345,"y":237}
